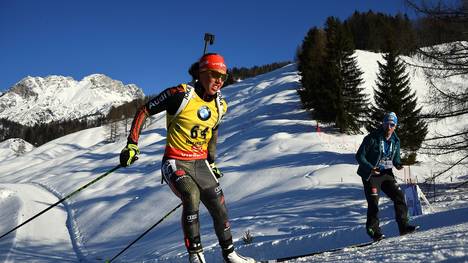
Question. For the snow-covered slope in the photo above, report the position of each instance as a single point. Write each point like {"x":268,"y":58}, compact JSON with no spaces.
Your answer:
{"x":54,"y":98}
{"x":295,"y":189}
{"x":14,"y":147}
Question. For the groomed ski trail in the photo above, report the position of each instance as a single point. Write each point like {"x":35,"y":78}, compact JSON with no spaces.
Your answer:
{"x":36,"y":241}
{"x":75,"y":235}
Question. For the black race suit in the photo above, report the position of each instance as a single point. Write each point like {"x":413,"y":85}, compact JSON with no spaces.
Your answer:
{"x":190,"y":147}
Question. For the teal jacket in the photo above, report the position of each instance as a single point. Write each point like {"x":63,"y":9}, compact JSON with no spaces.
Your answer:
{"x":370,"y":152}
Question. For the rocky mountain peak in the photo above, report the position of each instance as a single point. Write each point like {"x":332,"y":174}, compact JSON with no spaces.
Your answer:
{"x":53,"y":98}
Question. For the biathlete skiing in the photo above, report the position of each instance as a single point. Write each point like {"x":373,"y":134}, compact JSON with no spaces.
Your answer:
{"x":193,"y":113}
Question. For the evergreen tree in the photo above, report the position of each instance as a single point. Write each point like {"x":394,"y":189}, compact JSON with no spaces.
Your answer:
{"x":342,"y":84}
{"x":236,"y":74}
{"x":21,"y":148}
{"x":370,"y":31}
{"x":393,"y":94}
{"x":310,"y":65}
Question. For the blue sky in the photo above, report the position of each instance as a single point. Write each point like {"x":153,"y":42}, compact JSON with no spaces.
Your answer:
{"x":152,"y":43}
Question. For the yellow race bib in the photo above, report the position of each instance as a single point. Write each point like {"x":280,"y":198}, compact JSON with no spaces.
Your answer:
{"x":189,"y":133}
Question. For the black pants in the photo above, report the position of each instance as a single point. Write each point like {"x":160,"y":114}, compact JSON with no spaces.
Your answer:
{"x":193,"y":181}
{"x":384,"y":182}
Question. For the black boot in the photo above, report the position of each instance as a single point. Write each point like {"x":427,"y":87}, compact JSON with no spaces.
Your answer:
{"x":376,"y":235}
{"x":407,"y":229}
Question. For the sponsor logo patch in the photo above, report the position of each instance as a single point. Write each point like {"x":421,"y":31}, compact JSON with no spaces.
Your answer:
{"x":204,"y":113}
{"x":156,"y":101}
{"x":227,"y":226}
{"x":191,"y":218}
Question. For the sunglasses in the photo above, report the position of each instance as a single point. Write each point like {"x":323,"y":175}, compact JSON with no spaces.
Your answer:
{"x":390,"y":124}
{"x":217,"y":75}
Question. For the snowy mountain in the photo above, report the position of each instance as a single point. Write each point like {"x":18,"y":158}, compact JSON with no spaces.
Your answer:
{"x":54,"y":98}
{"x":12,"y":148}
{"x":295,"y":189}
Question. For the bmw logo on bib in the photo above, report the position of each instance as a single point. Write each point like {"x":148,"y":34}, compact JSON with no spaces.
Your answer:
{"x":204,"y":113}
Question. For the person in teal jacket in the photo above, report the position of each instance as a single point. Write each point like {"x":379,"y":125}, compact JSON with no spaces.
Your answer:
{"x":378,"y":154}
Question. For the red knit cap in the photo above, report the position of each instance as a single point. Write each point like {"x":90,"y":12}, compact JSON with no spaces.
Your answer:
{"x":212,"y":62}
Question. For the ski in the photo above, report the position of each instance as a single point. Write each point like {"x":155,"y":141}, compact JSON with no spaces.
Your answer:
{"x":364,"y":244}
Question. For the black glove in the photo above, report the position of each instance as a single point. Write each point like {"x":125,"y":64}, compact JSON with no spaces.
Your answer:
{"x":216,"y":171}
{"x":129,"y":154}
{"x":375,"y":171}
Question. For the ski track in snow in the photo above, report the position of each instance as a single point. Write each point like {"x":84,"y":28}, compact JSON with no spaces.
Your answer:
{"x":71,"y":225}
{"x":37,"y":241}
{"x":9,"y":206}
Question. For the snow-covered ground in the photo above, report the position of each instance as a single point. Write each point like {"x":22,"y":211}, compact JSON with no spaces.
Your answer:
{"x":14,"y":147}
{"x":296,"y":190}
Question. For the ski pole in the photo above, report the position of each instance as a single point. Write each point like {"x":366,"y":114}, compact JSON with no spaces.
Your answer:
{"x":144,"y":233}
{"x":63,"y":199}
